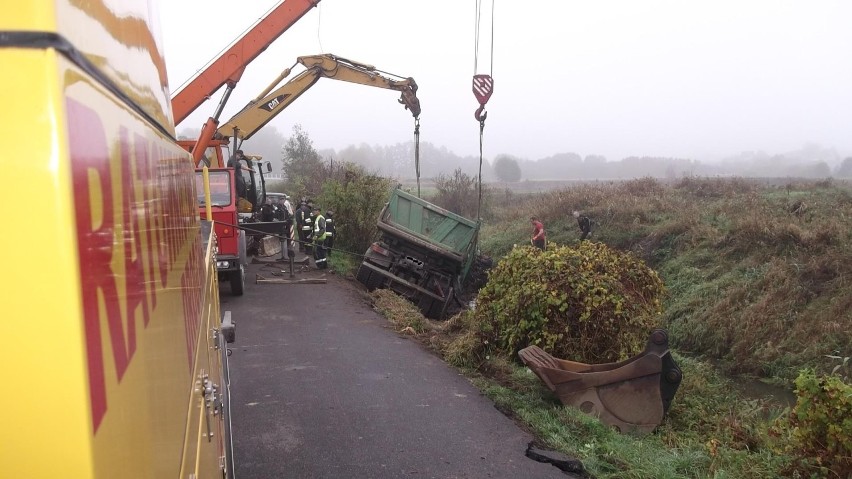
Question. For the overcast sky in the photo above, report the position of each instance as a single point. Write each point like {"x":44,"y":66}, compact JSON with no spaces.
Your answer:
{"x":678,"y":78}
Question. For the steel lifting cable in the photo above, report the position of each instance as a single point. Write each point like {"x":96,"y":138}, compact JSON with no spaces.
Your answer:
{"x":416,"y":134}
{"x":417,"y":152}
{"x":319,"y":27}
{"x":483,"y":87}
{"x":225,"y":48}
{"x":286,"y":239}
{"x":476,"y":36}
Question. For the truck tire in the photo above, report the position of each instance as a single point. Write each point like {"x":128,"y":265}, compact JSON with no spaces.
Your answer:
{"x":363,"y":275}
{"x":375,"y":281}
{"x":431,"y":308}
{"x":369,"y":278}
{"x":238,"y":281}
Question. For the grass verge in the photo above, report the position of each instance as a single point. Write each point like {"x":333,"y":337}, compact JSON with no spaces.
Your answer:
{"x":711,"y":431}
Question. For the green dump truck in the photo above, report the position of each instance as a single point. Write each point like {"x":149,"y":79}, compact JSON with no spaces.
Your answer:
{"x":425,"y":253}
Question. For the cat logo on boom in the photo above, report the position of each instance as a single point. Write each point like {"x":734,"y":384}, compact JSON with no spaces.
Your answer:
{"x":273,"y":104}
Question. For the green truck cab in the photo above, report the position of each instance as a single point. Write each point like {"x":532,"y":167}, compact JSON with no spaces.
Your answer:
{"x":424,"y":253}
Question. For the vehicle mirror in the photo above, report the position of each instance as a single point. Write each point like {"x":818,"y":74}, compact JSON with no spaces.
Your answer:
{"x":269,"y":167}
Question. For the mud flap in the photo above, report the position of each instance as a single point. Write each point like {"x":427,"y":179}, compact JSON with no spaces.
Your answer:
{"x":241,"y":248}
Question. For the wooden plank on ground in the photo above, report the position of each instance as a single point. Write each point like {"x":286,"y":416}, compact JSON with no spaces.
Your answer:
{"x":261,"y":280}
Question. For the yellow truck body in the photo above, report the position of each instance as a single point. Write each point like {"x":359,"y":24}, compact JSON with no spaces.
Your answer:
{"x":113,"y":357}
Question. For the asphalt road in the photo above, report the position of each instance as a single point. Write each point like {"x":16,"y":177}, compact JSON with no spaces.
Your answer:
{"x":323,"y":388}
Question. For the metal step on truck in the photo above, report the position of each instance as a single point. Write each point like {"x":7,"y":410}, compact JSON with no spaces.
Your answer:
{"x":424,"y":253}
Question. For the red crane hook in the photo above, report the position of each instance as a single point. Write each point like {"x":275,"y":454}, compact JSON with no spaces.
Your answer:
{"x":483,"y":87}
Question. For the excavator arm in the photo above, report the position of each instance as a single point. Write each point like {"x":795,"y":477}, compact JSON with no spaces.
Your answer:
{"x":267,"y":105}
{"x":228,"y":67}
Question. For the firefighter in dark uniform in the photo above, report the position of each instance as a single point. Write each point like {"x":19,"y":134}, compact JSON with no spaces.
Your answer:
{"x":320,"y":235}
{"x":308,"y":228}
{"x":303,"y":224}
{"x":329,"y":232}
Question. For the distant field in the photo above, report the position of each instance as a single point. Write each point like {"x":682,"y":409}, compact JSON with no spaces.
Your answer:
{"x":427,"y":187}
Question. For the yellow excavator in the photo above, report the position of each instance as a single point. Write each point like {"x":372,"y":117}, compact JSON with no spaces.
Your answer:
{"x":270,"y":103}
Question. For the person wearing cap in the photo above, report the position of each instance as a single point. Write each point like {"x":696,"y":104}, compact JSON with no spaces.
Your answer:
{"x":329,"y":231}
{"x":320,"y":235}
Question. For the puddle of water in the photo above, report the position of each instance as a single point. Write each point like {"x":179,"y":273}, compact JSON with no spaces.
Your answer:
{"x":753,"y":388}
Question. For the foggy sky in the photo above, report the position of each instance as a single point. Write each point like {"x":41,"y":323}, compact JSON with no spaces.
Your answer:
{"x":686,"y":79}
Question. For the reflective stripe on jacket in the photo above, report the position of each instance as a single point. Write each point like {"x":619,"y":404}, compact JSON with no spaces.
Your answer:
{"x":319,"y":229}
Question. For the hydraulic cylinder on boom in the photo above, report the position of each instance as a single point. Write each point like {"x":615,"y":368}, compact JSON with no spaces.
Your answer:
{"x":227,"y":69}
{"x":270,"y":103}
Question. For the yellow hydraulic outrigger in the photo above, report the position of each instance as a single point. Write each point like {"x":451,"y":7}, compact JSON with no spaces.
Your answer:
{"x":267,"y":105}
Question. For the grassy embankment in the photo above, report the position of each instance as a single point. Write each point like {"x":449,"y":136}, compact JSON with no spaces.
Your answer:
{"x":758,"y":278}
{"x":758,"y":281}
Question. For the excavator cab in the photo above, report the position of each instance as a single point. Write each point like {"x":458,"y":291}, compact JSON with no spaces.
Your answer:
{"x":251,"y":184}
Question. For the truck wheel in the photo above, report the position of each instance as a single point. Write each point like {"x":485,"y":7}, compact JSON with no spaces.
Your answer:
{"x":431,"y":308}
{"x":363,"y":275}
{"x":369,"y":278}
{"x":238,"y":281}
{"x":375,"y":281}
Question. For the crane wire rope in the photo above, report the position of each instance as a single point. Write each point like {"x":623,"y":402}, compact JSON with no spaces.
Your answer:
{"x":482,"y":92}
{"x":416,"y":134}
{"x":477,"y":35}
{"x":284,"y":238}
{"x":319,"y":28}
{"x":417,"y":152}
{"x":226,"y":47}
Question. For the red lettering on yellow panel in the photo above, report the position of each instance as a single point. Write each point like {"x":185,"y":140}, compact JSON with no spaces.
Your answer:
{"x":171,"y":215}
{"x":143,"y":168}
{"x":131,"y":234}
{"x":91,"y":176}
{"x":159,"y":221}
{"x":191,"y":287}
{"x":134,"y":275}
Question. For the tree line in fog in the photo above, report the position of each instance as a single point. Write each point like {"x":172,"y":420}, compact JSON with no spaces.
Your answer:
{"x":397,"y":161}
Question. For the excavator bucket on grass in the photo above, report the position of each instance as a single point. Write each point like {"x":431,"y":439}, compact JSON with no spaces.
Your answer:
{"x":631,"y":395}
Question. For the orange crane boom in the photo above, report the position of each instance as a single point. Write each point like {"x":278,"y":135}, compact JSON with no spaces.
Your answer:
{"x":229,"y":66}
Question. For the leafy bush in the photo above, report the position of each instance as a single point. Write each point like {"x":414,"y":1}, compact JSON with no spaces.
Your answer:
{"x":821,"y":425}
{"x":588,"y":303}
{"x":357,"y":199}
